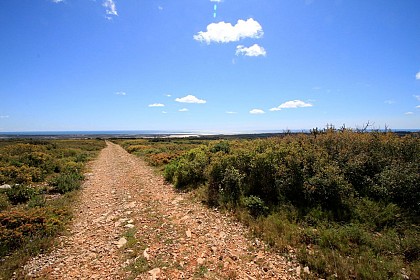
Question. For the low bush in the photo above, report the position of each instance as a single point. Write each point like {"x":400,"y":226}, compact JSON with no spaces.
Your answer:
{"x":66,"y":182}
{"x":347,"y":201}
{"x":20,"y":194}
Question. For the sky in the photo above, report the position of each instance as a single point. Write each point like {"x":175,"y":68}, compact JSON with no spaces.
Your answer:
{"x":208,"y":65}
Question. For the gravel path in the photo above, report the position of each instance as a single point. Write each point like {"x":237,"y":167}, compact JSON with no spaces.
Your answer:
{"x":130,"y":224}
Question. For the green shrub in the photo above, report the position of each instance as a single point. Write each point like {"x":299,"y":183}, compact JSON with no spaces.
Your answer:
{"x":37,"y":201}
{"x":20,"y":194}
{"x":190,"y":169}
{"x":4,"y":201}
{"x":66,"y":182}
{"x":222,"y":146}
{"x":255,"y":206}
{"x":231,"y":188}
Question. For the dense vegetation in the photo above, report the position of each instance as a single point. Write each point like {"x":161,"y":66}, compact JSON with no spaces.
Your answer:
{"x":346,"y":203}
{"x":38,"y":179}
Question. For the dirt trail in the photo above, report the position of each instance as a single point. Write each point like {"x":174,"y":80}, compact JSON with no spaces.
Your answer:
{"x":129,"y":224}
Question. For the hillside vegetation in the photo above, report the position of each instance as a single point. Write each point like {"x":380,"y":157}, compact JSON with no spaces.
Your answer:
{"x":346,"y":203}
{"x":38,"y":179}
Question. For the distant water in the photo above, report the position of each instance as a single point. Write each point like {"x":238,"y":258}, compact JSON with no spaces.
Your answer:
{"x":144,"y":133}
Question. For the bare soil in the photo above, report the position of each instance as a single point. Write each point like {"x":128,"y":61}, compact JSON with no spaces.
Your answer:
{"x":130,"y":224}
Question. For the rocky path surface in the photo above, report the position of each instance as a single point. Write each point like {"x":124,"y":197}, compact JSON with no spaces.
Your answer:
{"x":130,"y":224}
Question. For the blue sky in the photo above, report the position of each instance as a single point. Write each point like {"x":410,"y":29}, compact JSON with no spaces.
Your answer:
{"x":174,"y":65}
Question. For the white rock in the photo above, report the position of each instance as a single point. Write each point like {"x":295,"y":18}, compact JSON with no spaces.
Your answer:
{"x":306,"y":270}
{"x":121,"y":242}
{"x":5,"y":186}
{"x":298,"y":270}
{"x":154,"y":273}
{"x":188,"y":233}
{"x":145,"y":254}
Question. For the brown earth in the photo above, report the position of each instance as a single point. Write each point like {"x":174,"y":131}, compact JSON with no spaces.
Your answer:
{"x":130,"y":224}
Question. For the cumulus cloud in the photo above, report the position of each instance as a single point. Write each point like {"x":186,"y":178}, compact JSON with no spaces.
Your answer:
{"x":110,"y":8}
{"x":121,"y":93}
{"x":223,"y":32}
{"x":190,"y":99}
{"x":254,"y":50}
{"x":256,"y":112}
{"x":157,"y":105}
{"x":183,"y":110}
{"x":418,"y":75}
{"x":291,"y":105}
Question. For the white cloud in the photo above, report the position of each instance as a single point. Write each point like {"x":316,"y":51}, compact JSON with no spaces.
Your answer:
{"x":110,"y":8}
{"x":418,"y":106}
{"x":183,"y":110}
{"x":164,"y":112}
{"x":217,"y":1}
{"x":417,"y":97}
{"x":168,"y":95}
{"x":57,"y":1}
{"x":157,"y":105}
{"x":121,"y":93}
{"x":231,"y":112}
{"x":4,"y":117}
{"x":418,"y":75}
{"x":223,"y":32}
{"x":254,"y":50}
{"x":256,"y":111}
{"x":389,"y":102}
{"x":190,"y":99}
{"x":160,"y":8}
{"x":291,"y":105}
{"x":408,"y":113}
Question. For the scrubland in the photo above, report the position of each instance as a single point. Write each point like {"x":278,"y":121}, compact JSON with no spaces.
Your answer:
{"x":345,"y":203}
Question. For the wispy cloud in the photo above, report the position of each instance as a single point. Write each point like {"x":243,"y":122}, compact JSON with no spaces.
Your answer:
{"x":291,"y":105}
{"x":57,"y":1}
{"x":110,"y":8}
{"x":183,"y":110}
{"x":168,"y":95}
{"x":4,"y":117}
{"x":217,"y":1}
{"x":157,"y":105}
{"x":256,"y":112}
{"x":160,"y":8}
{"x":190,"y":99}
{"x":164,"y":112}
{"x":418,"y":75}
{"x":417,"y":97}
{"x":254,"y":50}
{"x":223,"y":32}
{"x":418,"y":106}
{"x":408,"y":113}
{"x":389,"y":102}
{"x":231,"y":112}
{"x":123,"y":93}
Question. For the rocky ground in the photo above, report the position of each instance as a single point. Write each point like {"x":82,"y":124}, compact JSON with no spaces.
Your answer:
{"x":130,"y":224}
